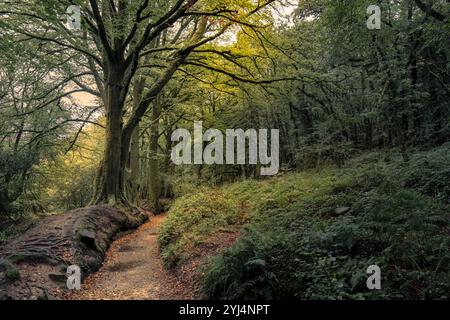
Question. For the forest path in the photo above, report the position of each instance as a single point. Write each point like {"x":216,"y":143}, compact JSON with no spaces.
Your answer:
{"x":133,"y":270}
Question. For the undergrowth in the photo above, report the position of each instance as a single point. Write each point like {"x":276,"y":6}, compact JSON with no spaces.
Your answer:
{"x":312,"y":235}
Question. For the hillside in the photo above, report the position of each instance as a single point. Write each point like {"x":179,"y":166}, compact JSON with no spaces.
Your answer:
{"x":312,"y":235}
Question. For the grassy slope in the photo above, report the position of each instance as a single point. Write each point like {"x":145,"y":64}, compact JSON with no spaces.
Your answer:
{"x":312,"y":235}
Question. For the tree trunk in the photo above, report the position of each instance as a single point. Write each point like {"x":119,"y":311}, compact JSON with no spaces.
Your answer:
{"x":134,"y":166}
{"x":168,"y":165}
{"x":134,"y":182}
{"x":154,"y":189}
{"x":112,"y":156}
{"x":109,"y":184}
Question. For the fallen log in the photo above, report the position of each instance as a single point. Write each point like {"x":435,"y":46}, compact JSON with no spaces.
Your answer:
{"x":33,"y":266}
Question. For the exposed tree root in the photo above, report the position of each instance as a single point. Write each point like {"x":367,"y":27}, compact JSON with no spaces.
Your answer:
{"x":33,"y":266}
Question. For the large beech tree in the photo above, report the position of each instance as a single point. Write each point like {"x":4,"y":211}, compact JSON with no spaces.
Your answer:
{"x":117,"y":41}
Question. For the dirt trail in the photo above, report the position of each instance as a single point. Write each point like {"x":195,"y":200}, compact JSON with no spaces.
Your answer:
{"x":133,"y":269}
